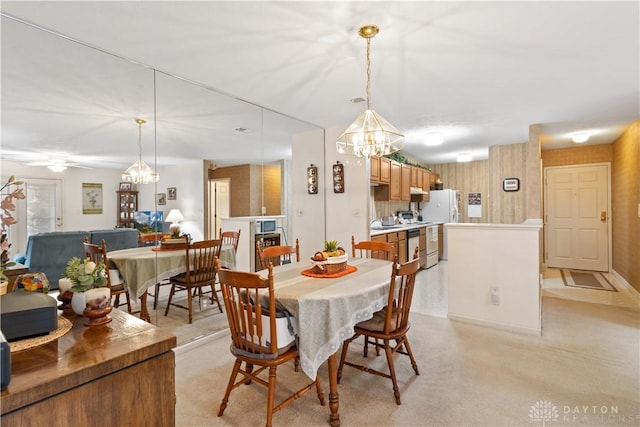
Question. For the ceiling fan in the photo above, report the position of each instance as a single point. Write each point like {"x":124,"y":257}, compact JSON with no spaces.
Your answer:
{"x":56,"y":165}
{"x":57,"y":162}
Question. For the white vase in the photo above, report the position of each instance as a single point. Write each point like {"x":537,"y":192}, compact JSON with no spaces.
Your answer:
{"x":78,"y":302}
{"x":98,"y":297}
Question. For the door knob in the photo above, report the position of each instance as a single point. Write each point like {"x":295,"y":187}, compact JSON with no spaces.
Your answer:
{"x":603,"y":216}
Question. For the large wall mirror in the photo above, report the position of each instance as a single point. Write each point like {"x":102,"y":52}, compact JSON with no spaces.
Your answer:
{"x":64,"y":102}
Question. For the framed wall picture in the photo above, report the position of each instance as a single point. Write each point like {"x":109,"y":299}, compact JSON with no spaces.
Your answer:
{"x":171,"y":193}
{"x":91,"y":198}
{"x":511,"y":184}
{"x":125,"y":186}
{"x":161,"y":198}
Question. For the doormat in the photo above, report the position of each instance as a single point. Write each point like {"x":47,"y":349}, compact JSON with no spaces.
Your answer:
{"x":587,"y":280}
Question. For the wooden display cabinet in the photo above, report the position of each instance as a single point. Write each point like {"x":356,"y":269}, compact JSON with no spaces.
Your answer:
{"x":127,"y":205}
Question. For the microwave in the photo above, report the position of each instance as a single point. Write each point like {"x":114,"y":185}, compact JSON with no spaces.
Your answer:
{"x":265,"y":226}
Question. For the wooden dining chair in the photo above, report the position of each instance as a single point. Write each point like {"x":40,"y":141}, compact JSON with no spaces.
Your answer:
{"x":230,"y":238}
{"x":251,"y":310}
{"x":278,"y":255}
{"x":98,"y":254}
{"x":201,"y":272}
{"x":373,"y":249}
{"x":388,"y":327}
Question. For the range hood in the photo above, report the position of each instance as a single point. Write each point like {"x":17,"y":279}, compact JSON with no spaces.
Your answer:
{"x":417,"y":190}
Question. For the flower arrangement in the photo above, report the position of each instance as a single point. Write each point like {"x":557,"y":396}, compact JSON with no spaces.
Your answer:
{"x":7,"y":206}
{"x":85,"y":274}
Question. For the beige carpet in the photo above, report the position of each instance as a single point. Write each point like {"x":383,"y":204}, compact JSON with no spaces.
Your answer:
{"x":585,"y":369}
{"x":207,"y":319}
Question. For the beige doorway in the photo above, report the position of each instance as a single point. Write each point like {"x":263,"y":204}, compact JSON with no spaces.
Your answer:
{"x":219,"y":208}
{"x":577,"y":226}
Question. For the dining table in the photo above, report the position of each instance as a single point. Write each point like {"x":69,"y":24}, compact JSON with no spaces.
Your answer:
{"x":141,"y":268}
{"x":327,"y":308}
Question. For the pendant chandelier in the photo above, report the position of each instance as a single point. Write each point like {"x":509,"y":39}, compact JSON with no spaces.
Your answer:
{"x":369,"y":135}
{"x":140,"y":172}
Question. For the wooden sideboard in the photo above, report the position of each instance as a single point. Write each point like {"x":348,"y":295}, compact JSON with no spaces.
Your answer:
{"x":121,"y":373}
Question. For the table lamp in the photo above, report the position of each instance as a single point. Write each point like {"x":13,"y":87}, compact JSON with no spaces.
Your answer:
{"x":174,"y":217}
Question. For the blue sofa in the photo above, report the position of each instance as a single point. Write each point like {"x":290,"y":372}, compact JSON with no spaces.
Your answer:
{"x":50,"y":252}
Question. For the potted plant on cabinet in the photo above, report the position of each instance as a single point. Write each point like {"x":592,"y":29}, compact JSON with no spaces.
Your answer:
{"x":91,"y":295}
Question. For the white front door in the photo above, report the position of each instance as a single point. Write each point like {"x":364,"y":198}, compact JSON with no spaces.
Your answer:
{"x":577,"y":217}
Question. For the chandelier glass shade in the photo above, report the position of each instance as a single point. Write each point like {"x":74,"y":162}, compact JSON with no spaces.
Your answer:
{"x":140,"y":172}
{"x":369,"y":135}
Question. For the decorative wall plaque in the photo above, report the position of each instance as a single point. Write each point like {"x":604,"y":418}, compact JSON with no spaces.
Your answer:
{"x":312,"y":179}
{"x":338,"y":177}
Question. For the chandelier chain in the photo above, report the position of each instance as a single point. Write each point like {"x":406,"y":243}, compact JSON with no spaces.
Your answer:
{"x":368,"y":72}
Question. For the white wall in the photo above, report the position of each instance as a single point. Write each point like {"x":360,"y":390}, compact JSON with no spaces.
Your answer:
{"x":346,"y":213}
{"x":327,"y":215}
{"x":308,"y":217}
{"x":188,"y":180}
{"x":506,"y":256}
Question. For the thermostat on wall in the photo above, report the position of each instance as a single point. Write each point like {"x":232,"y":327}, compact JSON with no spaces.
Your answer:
{"x":511,"y":184}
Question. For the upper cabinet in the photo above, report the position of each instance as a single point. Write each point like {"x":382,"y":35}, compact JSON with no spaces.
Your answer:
{"x":380,"y":170}
{"x":398,"y":188}
{"x":405,"y":182}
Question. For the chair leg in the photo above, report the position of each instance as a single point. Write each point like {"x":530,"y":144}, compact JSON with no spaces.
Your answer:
{"x":128,"y":298}
{"x":156,"y":294}
{"x":232,"y":379}
{"x":214,"y":296}
{"x":173,"y":290}
{"x":410,"y":354}
{"x":343,"y":354}
{"x":271,"y":394}
{"x":190,"y":303}
{"x":392,"y":370}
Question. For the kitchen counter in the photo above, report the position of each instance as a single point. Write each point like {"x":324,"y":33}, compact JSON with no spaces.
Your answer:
{"x":399,"y":227}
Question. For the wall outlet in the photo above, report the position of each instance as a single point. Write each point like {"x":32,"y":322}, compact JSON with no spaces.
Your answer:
{"x":495,"y":295}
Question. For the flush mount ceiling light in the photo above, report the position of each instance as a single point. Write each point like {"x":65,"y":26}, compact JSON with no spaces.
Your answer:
{"x":431,"y":139}
{"x":369,"y":135}
{"x":57,"y":168}
{"x":580,"y":137}
{"x":464,"y":157}
{"x":140,"y":172}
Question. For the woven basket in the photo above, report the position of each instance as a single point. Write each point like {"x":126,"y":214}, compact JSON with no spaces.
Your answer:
{"x":331,"y":265}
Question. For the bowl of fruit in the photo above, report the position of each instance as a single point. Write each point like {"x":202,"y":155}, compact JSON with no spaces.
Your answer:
{"x":333,"y":259}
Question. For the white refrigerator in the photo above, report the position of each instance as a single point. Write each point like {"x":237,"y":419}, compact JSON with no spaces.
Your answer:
{"x":443,"y":206}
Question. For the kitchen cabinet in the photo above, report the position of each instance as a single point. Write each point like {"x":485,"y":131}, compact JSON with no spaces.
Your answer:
{"x":405,"y":182}
{"x":423,"y":247}
{"x":380,"y":170}
{"x":393,"y":191}
{"x":414,"y":176}
{"x":419,"y":176}
{"x":385,"y":170}
{"x":374,"y":169}
{"x":399,"y":239}
{"x":127,"y":205}
{"x":440,"y":240}
{"x":426,"y":180}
